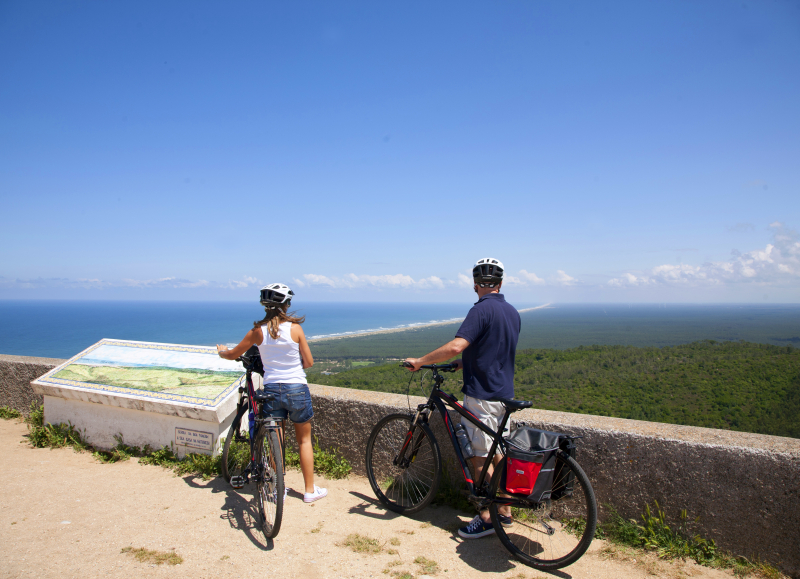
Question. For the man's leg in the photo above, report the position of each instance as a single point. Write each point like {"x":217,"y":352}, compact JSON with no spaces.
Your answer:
{"x":477,"y":466}
{"x":489,"y":413}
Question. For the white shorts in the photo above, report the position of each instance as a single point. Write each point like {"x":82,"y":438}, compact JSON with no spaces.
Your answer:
{"x":490,"y":413}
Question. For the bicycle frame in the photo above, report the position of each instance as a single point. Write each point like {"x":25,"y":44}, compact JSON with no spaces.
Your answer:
{"x":249,"y":401}
{"x":440,"y":400}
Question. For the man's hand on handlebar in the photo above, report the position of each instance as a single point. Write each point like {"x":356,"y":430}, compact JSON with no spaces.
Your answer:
{"x":412,"y":364}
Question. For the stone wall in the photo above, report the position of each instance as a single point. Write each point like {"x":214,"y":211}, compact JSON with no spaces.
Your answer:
{"x":16,"y":373}
{"x":744,"y":487}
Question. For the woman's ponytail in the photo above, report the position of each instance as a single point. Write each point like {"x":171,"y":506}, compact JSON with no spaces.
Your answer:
{"x":275,"y":316}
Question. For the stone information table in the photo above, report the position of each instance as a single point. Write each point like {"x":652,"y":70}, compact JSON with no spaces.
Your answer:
{"x":148,"y":393}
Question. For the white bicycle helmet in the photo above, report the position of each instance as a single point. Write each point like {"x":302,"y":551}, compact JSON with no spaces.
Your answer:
{"x":488,"y":271}
{"x":276,"y":294}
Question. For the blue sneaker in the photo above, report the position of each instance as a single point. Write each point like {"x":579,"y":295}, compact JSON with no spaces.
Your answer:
{"x":504,"y":520}
{"x":476,"y":529}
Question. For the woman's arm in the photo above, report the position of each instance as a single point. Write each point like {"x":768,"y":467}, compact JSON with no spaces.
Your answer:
{"x":299,"y":336}
{"x":253,"y":338}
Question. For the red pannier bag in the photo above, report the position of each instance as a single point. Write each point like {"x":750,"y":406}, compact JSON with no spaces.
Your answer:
{"x":530,"y":463}
{"x":521,"y":474}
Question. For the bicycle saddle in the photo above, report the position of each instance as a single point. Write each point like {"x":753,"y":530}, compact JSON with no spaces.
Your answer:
{"x":513,"y":405}
{"x":262,"y":396}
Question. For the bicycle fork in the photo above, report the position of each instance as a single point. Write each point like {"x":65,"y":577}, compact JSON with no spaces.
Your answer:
{"x":400,"y":460}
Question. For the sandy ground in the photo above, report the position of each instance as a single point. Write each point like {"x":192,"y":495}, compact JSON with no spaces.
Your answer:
{"x":63,"y":514}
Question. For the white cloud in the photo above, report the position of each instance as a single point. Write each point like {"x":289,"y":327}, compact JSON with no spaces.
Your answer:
{"x":628,"y":279}
{"x":465,"y":280}
{"x":313,"y":279}
{"x":778,"y":261}
{"x":564,"y":279}
{"x":351,"y":280}
{"x":531,"y":277}
{"x":164,"y":282}
{"x":246,"y":281}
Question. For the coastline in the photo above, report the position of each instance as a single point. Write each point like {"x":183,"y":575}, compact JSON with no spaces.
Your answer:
{"x":407,"y":328}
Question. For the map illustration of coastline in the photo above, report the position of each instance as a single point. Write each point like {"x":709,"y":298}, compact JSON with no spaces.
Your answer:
{"x":199,"y":373}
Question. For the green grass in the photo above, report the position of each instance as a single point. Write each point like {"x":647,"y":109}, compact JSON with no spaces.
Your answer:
{"x":427,"y":566}
{"x":43,"y":435}
{"x":327,"y":462}
{"x":362,"y":544}
{"x":9,"y":413}
{"x":154,"y":557}
{"x":451,"y":493}
{"x":654,"y":534}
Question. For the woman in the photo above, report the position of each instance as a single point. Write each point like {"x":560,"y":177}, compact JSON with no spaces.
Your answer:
{"x":284,"y":354}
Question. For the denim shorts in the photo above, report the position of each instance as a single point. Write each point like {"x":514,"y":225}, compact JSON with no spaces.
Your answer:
{"x":292,"y":400}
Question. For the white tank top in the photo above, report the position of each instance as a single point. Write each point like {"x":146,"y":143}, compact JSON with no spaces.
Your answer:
{"x":281,"y":357}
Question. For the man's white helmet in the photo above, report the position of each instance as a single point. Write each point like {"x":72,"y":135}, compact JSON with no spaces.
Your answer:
{"x":276,"y":294}
{"x":488,"y":271}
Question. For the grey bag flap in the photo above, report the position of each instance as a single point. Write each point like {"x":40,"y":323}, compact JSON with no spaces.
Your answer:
{"x":531,"y":440}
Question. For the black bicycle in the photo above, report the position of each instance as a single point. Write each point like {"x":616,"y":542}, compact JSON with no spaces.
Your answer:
{"x":256,"y":453}
{"x":404,"y":467}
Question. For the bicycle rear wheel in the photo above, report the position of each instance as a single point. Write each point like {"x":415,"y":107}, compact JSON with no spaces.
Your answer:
{"x":269,"y":485}
{"x":555,"y":533}
{"x":410,"y":486}
{"x":236,"y":450}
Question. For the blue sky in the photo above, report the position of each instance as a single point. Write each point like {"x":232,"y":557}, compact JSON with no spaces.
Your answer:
{"x":605,"y":152}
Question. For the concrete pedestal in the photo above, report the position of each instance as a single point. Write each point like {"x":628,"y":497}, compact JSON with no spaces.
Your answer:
{"x":186,"y":422}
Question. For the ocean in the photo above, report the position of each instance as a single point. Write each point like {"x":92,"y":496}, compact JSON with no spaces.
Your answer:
{"x":61,"y":329}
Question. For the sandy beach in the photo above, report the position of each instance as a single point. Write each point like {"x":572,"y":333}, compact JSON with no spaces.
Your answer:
{"x":407,"y":328}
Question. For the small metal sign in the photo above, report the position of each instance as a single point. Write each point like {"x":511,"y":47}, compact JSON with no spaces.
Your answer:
{"x":194,"y":439}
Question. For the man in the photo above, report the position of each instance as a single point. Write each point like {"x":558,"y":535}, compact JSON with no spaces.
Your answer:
{"x":488,"y":339}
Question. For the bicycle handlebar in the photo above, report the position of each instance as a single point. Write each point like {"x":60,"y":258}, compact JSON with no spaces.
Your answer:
{"x":434,"y":367}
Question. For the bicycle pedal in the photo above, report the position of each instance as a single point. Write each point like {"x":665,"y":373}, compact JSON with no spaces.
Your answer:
{"x":237,"y":482}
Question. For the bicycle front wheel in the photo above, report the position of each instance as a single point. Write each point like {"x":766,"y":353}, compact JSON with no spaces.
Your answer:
{"x":269,"y":485}
{"x":236,"y":450}
{"x":554,"y":533}
{"x":403,"y":465}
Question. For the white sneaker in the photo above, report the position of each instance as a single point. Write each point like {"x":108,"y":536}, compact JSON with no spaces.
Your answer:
{"x":316,"y":495}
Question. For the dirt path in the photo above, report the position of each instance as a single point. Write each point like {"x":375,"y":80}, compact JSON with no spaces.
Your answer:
{"x":62,"y":514}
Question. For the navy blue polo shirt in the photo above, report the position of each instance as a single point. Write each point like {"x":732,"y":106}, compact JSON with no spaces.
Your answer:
{"x":492,"y":330}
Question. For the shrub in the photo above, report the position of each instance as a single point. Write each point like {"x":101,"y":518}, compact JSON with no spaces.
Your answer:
{"x":9,"y":413}
{"x":329,"y":463}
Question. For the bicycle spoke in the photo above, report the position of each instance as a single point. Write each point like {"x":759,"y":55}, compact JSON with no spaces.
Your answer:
{"x":551,"y":534}
{"x":403,"y":487}
{"x":269,"y":481}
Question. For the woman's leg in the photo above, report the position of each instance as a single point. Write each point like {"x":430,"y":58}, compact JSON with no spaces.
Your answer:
{"x":302,"y":433}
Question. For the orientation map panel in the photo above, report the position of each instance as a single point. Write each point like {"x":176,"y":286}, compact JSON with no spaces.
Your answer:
{"x":193,"y":375}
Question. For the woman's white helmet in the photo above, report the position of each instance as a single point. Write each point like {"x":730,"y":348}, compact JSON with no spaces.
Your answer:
{"x":276,"y":294}
{"x":487,"y":271}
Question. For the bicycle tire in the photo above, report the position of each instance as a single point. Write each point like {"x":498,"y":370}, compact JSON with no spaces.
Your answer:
{"x":404,"y":490}
{"x":235,"y":451}
{"x":270,"y":484}
{"x":572,"y":520}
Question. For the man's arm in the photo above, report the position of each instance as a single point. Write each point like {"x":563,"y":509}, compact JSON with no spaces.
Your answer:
{"x":450,"y":349}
